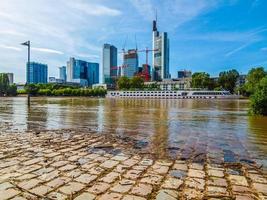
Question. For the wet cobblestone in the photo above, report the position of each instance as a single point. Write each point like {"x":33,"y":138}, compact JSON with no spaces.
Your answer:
{"x":87,"y":166}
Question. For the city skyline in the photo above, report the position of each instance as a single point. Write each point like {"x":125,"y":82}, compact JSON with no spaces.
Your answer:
{"x":207,"y":36}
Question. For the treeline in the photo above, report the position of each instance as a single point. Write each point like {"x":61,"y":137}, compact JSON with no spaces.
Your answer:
{"x":256,"y":88}
{"x":135,"y":83}
{"x":60,"y":90}
{"x":226,"y":81}
{"x":5,"y":88}
{"x":125,"y":83}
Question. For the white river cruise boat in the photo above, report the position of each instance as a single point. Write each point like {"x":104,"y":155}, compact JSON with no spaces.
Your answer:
{"x":190,"y":94}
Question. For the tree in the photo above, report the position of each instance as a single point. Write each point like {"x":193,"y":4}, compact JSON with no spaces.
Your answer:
{"x":253,"y":78}
{"x":258,"y":105}
{"x":12,"y":90}
{"x":4,"y":84}
{"x":31,"y":89}
{"x":227,"y":80}
{"x":201,"y":80}
{"x":123,"y":83}
{"x":137,"y":82}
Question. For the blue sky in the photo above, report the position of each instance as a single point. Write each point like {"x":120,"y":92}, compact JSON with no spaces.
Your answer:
{"x":205,"y":35}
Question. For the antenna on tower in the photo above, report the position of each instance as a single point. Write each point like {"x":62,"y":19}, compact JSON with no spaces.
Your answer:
{"x":155,"y":21}
{"x":135,"y":42}
{"x":156,"y":15}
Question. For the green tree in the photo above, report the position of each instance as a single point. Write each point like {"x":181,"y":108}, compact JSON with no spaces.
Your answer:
{"x":258,"y":105}
{"x":253,"y":78}
{"x":12,"y":90}
{"x":137,"y":82}
{"x":227,"y":80}
{"x":4,"y":84}
{"x":201,"y":80}
{"x":123,"y":83}
{"x":31,"y":89}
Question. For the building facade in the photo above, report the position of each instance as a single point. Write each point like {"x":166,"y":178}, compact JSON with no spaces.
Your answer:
{"x":130,"y":63}
{"x":82,"y":72}
{"x":184,"y":74}
{"x":109,"y":69}
{"x":36,"y":72}
{"x":241,"y":80}
{"x":93,"y":73}
{"x":173,"y":84}
{"x":160,"y":55}
{"x":55,"y":80}
{"x":63,"y":73}
{"x":10,"y":78}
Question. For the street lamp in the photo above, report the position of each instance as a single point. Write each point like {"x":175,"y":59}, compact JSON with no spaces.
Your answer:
{"x":28,"y":44}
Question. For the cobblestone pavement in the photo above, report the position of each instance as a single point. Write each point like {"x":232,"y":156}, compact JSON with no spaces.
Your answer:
{"x":78,"y":166}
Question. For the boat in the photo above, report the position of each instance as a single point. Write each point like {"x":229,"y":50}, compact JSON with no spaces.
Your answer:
{"x":180,"y":94}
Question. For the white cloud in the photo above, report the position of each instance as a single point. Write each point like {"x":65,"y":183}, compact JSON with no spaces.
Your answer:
{"x":90,"y":56}
{"x":47,"y":50}
{"x":173,"y":12}
{"x":225,"y":36}
{"x":238,"y":49}
{"x":95,"y":9}
{"x":10,"y":47}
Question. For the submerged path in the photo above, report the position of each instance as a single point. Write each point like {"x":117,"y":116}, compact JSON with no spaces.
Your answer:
{"x":73,"y":165}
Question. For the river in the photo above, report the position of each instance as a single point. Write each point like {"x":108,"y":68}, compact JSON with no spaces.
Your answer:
{"x":220,"y":129}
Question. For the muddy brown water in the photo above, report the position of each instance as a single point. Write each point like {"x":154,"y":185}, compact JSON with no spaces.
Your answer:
{"x":220,"y":129}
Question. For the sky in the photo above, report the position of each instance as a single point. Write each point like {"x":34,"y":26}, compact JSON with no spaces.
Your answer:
{"x":205,"y":35}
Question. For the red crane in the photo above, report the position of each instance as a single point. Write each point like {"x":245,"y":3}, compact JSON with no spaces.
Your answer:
{"x":145,"y":74}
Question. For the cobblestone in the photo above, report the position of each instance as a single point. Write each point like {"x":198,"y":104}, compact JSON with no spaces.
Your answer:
{"x":66,"y":169}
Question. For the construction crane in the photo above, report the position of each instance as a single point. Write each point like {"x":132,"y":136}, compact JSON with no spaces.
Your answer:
{"x":145,"y":74}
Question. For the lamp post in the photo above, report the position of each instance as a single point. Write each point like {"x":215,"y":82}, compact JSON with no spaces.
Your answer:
{"x":28,"y":44}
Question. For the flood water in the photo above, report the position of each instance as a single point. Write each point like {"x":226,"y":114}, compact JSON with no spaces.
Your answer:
{"x":220,"y":129}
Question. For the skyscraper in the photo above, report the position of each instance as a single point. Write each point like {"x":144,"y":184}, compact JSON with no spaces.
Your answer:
{"x":184,"y":74}
{"x":160,"y":57}
{"x":82,"y":72}
{"x":92,"y":73}
{"x":63,"y":73}
{"x":109,"y":70}
{"x":130,"y":63}
{"x":36,"y":72}
{"x":10,"y":78}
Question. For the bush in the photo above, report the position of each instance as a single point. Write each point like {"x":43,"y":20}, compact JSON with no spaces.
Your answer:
{"x":258,"y":104}
{"x":21,"y":91}
{"x":44,"y":92}
{"x":12,"y":90}
{"x":31,"y":89}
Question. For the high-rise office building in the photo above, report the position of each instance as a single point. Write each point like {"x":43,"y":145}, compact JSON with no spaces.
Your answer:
{"x":184,"y":74}
{"x":109,"y":69}
{"x":82,"y":72}
{"x":63,"y":73}
{"x":36,"y":72}
{"x":160,"y":57}
{"x":130,"y":63}
{"x":92,"y":73}
{"x":10,"y":78}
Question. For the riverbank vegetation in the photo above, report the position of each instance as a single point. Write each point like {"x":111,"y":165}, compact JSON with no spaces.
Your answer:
{"x":61,"y":90}
{"x":7,"y":89}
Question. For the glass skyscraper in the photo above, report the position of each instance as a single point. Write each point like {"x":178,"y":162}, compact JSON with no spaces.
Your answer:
{"x":63,"y":73}
{"x":109,"y":69}
{"x":36,"y":72}
{"x":160,"y":58}
{"x":82,"y":72}
{"x":130,"y":63}
{"x":93,"y":73}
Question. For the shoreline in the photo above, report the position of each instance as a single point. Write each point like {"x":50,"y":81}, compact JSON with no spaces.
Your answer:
{"x":82,"y":163}
{"x":100,"y":97}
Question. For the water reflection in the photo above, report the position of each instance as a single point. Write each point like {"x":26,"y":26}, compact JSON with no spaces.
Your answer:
{"x":181,"y":126}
